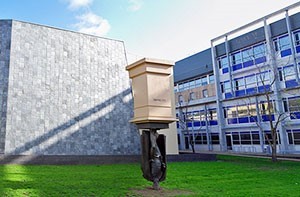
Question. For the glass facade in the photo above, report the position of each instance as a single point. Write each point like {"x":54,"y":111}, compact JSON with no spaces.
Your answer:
{"x":245,"y":76}
{"x":194,"y":83}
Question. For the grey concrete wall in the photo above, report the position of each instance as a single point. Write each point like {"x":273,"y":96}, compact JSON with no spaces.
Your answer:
{"x":69,"y":94}
{"x":5,"y":33}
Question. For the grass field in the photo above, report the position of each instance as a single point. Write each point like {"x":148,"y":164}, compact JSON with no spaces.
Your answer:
{"x":229,"y":176}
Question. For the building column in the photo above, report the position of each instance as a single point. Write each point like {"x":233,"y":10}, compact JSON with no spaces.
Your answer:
{"x":223,"y":145}
{"x":276,"y":88}
{"x":292,"y":41}
{"x":229,"y":66}
{"x":181,"y":129}
{"x":208,"y":136}
{"x":259,"y":121}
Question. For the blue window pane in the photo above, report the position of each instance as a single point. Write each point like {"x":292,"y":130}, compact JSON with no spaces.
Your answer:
{"x":285,"y":52}
{"x":260,"y":60}
{"x":295,"y":115}
{"x":239,"y":84}
{"x":251,"y":90}
{"x":250,"y":81}
{"x":225,"y":70}
{"x":240,"y":92}
{"x":247,"y":55}
{"x":223,"y":62}
{"x":267,"y":117}
{"x":227,"y":87}
{"x":248,"y":64}
{"x":197,"y":83}
{"x":263,"y":78}
{"x":237,"y":67}
{"x":259,"y":51}
{"x":253,"y":118}
{"x":192,"y":84}
{"x":186,"y":85}
{"x":228,"y":95}
{"x":264,"y":88}
{"x":289,"y":73}
{"x":236,"y":58}
{"x":213,"y":122}
{"x":204,"y":81}
{"x":244,"y":120}
{"x":298,"y":49}
{"x":284,"y":43}
{"x":211,"y":79}
{"x":297,"y":38}
{"x":181,"y":88}
{"x":232,"y":121}
{"x":196,"y":123}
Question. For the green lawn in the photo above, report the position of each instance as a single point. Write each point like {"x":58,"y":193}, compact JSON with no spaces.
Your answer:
{"x":229,"y":176}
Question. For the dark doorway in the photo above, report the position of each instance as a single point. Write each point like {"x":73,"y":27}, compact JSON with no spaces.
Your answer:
{"x":228,"y":141}
{"x":186,"y":142}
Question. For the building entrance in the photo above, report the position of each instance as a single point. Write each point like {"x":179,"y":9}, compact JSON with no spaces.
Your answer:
{"x":228,"y":141}
{"x":186,"y":143}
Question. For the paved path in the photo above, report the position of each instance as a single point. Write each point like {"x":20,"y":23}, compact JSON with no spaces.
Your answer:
{"x":285,"y":157}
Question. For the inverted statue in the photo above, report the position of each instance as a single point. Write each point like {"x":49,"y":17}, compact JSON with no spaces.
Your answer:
{"x":152,"y":89}
{"x":153,"y":157}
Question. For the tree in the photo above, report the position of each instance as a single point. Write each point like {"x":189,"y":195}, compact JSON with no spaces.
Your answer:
{"x":271,"y":109}
{"x":269,"y":77}
{"x":185,"y":119}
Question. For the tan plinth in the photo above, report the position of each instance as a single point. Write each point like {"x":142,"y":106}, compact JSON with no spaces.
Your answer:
{"x":152,"y":90}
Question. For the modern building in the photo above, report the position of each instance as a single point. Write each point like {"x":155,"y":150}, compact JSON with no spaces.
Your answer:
{"x":195,"y":98}
{"x":256,"y":71}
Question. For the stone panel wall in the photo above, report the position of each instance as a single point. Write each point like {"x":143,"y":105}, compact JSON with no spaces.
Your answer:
{"x":69,"y":94}
{"x":5,"y":33}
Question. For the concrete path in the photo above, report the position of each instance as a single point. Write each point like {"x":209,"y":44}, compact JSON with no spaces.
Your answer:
{"x":283,"y":157}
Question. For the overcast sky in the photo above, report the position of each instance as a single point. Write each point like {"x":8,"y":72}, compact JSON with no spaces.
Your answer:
{"x":165,"y":29}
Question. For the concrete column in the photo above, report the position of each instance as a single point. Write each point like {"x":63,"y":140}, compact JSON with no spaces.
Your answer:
{"x":229,"y":66}
{"x":207,"y":78}
{"x":181,"y":133}
{"x":292,"y":41}
{"x":208,"y":136}
{"x":259,"y":121}
{"x":276,"y":88}
{"x":223,"y":145}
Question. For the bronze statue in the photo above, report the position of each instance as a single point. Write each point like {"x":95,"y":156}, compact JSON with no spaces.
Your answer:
{"x":153,"y":157}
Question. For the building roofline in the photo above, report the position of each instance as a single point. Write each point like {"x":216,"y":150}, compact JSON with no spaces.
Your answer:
{"x":193,"y":55}
{"x":61,"y":29}
{"x":192,"y":78}
{"x":257,"y":21}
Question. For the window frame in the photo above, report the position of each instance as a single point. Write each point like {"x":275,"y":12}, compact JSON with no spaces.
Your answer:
{"x":236,"y":58}
{"x":247,"y":55}
{"x":257,"y":53}
{"x":223,"y":62}
{"x":250,"y":84}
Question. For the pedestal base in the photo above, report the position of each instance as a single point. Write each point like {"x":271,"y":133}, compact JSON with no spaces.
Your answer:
{"x":153,"y":125}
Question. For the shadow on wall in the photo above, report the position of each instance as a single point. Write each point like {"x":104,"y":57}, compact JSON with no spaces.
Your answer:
{"x":89,"y":134}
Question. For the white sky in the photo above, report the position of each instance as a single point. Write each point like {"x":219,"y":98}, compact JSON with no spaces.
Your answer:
{"x":188,"y":27}
{"x":164,"y":29}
